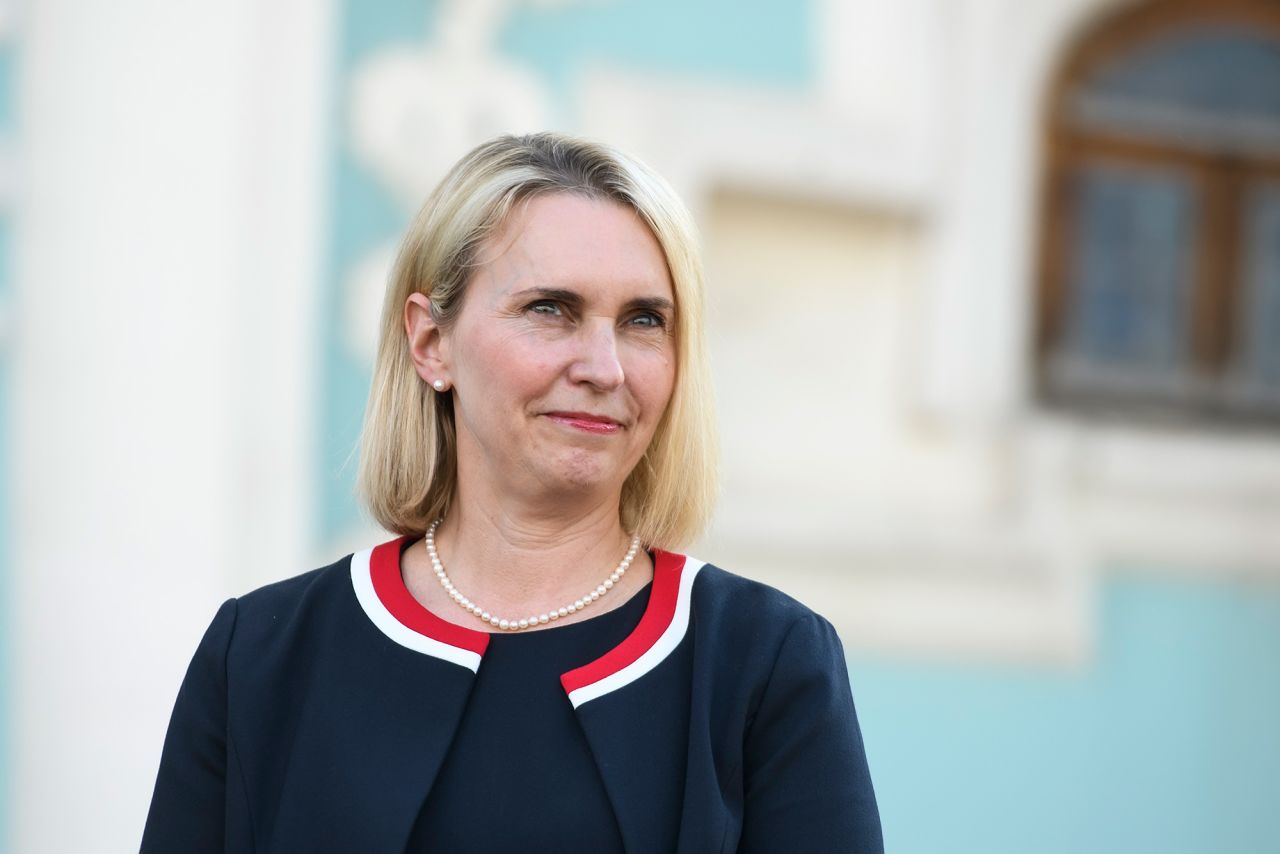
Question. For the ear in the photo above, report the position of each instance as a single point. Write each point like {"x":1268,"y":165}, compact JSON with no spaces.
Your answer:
{"x":427,"y":345}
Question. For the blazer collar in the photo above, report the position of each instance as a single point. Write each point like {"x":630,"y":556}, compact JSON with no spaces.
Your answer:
{"x":380,"y":589}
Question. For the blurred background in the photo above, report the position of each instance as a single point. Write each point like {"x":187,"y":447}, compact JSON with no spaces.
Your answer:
{"x":995,"y":310}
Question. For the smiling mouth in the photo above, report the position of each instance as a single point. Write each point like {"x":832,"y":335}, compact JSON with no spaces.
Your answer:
{"x":586,"y":422}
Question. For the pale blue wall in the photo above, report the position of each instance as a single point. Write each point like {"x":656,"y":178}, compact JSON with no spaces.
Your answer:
{"x":1169,"y":741}
{"x":361,"y":217}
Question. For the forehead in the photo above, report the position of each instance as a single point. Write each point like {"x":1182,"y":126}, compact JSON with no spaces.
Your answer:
{"x":568,"y":240}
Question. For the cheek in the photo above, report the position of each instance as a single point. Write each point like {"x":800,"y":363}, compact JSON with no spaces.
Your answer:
{"x":516,"y":383}
{"x":530,"y":372}
{"x":654,"y":383}
{"x":504,"y":365}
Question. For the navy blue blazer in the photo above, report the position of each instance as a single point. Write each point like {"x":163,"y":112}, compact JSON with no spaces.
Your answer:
{"x":317,"y":711}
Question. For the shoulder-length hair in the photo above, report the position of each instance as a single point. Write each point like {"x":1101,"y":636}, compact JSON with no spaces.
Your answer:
{"x":408,"y":448}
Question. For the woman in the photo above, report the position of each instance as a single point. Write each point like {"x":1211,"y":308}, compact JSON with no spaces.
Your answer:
{"x":526,"y":665}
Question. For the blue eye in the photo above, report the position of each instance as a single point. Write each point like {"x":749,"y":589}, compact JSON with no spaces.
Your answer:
{"x":545,"y":307}
{"x":649,"y":319}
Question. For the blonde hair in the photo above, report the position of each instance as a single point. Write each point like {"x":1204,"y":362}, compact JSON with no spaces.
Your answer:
{"x":407,"y":464}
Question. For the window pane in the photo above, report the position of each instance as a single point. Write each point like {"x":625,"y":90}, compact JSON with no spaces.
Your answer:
{"x":1131,"y":271}
{"x":1260,"y":302}
{"x":1213,"y":87}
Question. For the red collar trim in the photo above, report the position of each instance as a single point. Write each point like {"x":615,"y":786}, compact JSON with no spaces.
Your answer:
{"x":657,"y":616}
{"x":384,"y":571}
{"x":388,"y":584}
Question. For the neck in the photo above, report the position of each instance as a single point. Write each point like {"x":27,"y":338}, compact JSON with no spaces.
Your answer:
{"x":518,"y":559}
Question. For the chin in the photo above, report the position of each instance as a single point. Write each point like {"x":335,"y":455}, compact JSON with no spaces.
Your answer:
{"x":585,"y":472}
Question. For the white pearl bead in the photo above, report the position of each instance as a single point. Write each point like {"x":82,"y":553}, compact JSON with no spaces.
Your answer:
{"x":540,"y":619}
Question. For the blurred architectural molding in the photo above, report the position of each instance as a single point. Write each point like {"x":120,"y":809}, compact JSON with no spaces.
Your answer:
{"x":790,"y":143}
{"x":416,"y":110}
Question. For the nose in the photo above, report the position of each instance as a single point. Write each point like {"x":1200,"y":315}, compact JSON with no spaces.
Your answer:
{"x":596,"y":361}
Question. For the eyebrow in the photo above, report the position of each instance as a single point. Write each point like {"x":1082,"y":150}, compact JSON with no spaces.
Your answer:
{"x":573,"y":298}
{"x":651,"y":304}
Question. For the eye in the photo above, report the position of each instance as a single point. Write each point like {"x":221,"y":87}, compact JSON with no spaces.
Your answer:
{"x":545,"y":307}
{"x":649,"y":320}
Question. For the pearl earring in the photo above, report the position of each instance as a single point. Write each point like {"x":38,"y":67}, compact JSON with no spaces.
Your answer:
{"x":438,"y":385}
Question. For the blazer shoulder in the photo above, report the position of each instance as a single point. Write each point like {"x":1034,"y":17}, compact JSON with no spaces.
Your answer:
{"x":745,"y":606}
{"x":290,"y":590}
{"x":294,"y":600}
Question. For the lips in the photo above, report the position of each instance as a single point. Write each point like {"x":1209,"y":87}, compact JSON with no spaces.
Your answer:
{"x":586,"y":421}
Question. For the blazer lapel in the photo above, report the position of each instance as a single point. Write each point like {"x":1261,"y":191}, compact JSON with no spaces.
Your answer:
{"x":638,"y":739}
{"x":633,"y":706}
{"x":380,"y":713}
{"x":367,"y":753}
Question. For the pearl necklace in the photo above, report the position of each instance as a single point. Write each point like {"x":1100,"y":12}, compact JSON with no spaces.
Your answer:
{"x":538,"y":620}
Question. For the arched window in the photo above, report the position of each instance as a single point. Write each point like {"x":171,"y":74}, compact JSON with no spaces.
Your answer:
{"x":1160,"y":266}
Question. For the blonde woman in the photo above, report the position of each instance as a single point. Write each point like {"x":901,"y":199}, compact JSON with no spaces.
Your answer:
{"x":530,"y":664}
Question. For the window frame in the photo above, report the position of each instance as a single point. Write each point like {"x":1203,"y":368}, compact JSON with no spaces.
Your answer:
{"x":1222,"y":180}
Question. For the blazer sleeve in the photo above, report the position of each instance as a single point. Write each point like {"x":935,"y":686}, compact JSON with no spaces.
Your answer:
{"x":188,"y":806}
{"x":806,"y":782}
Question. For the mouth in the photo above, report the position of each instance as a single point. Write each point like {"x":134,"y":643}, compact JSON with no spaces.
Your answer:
{"x":586,"y":421}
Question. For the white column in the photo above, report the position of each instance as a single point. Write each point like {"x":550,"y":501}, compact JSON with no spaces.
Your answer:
{"x":167,"y":275}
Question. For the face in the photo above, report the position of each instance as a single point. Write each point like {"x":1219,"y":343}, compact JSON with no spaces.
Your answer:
{"x":562,"y":358}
